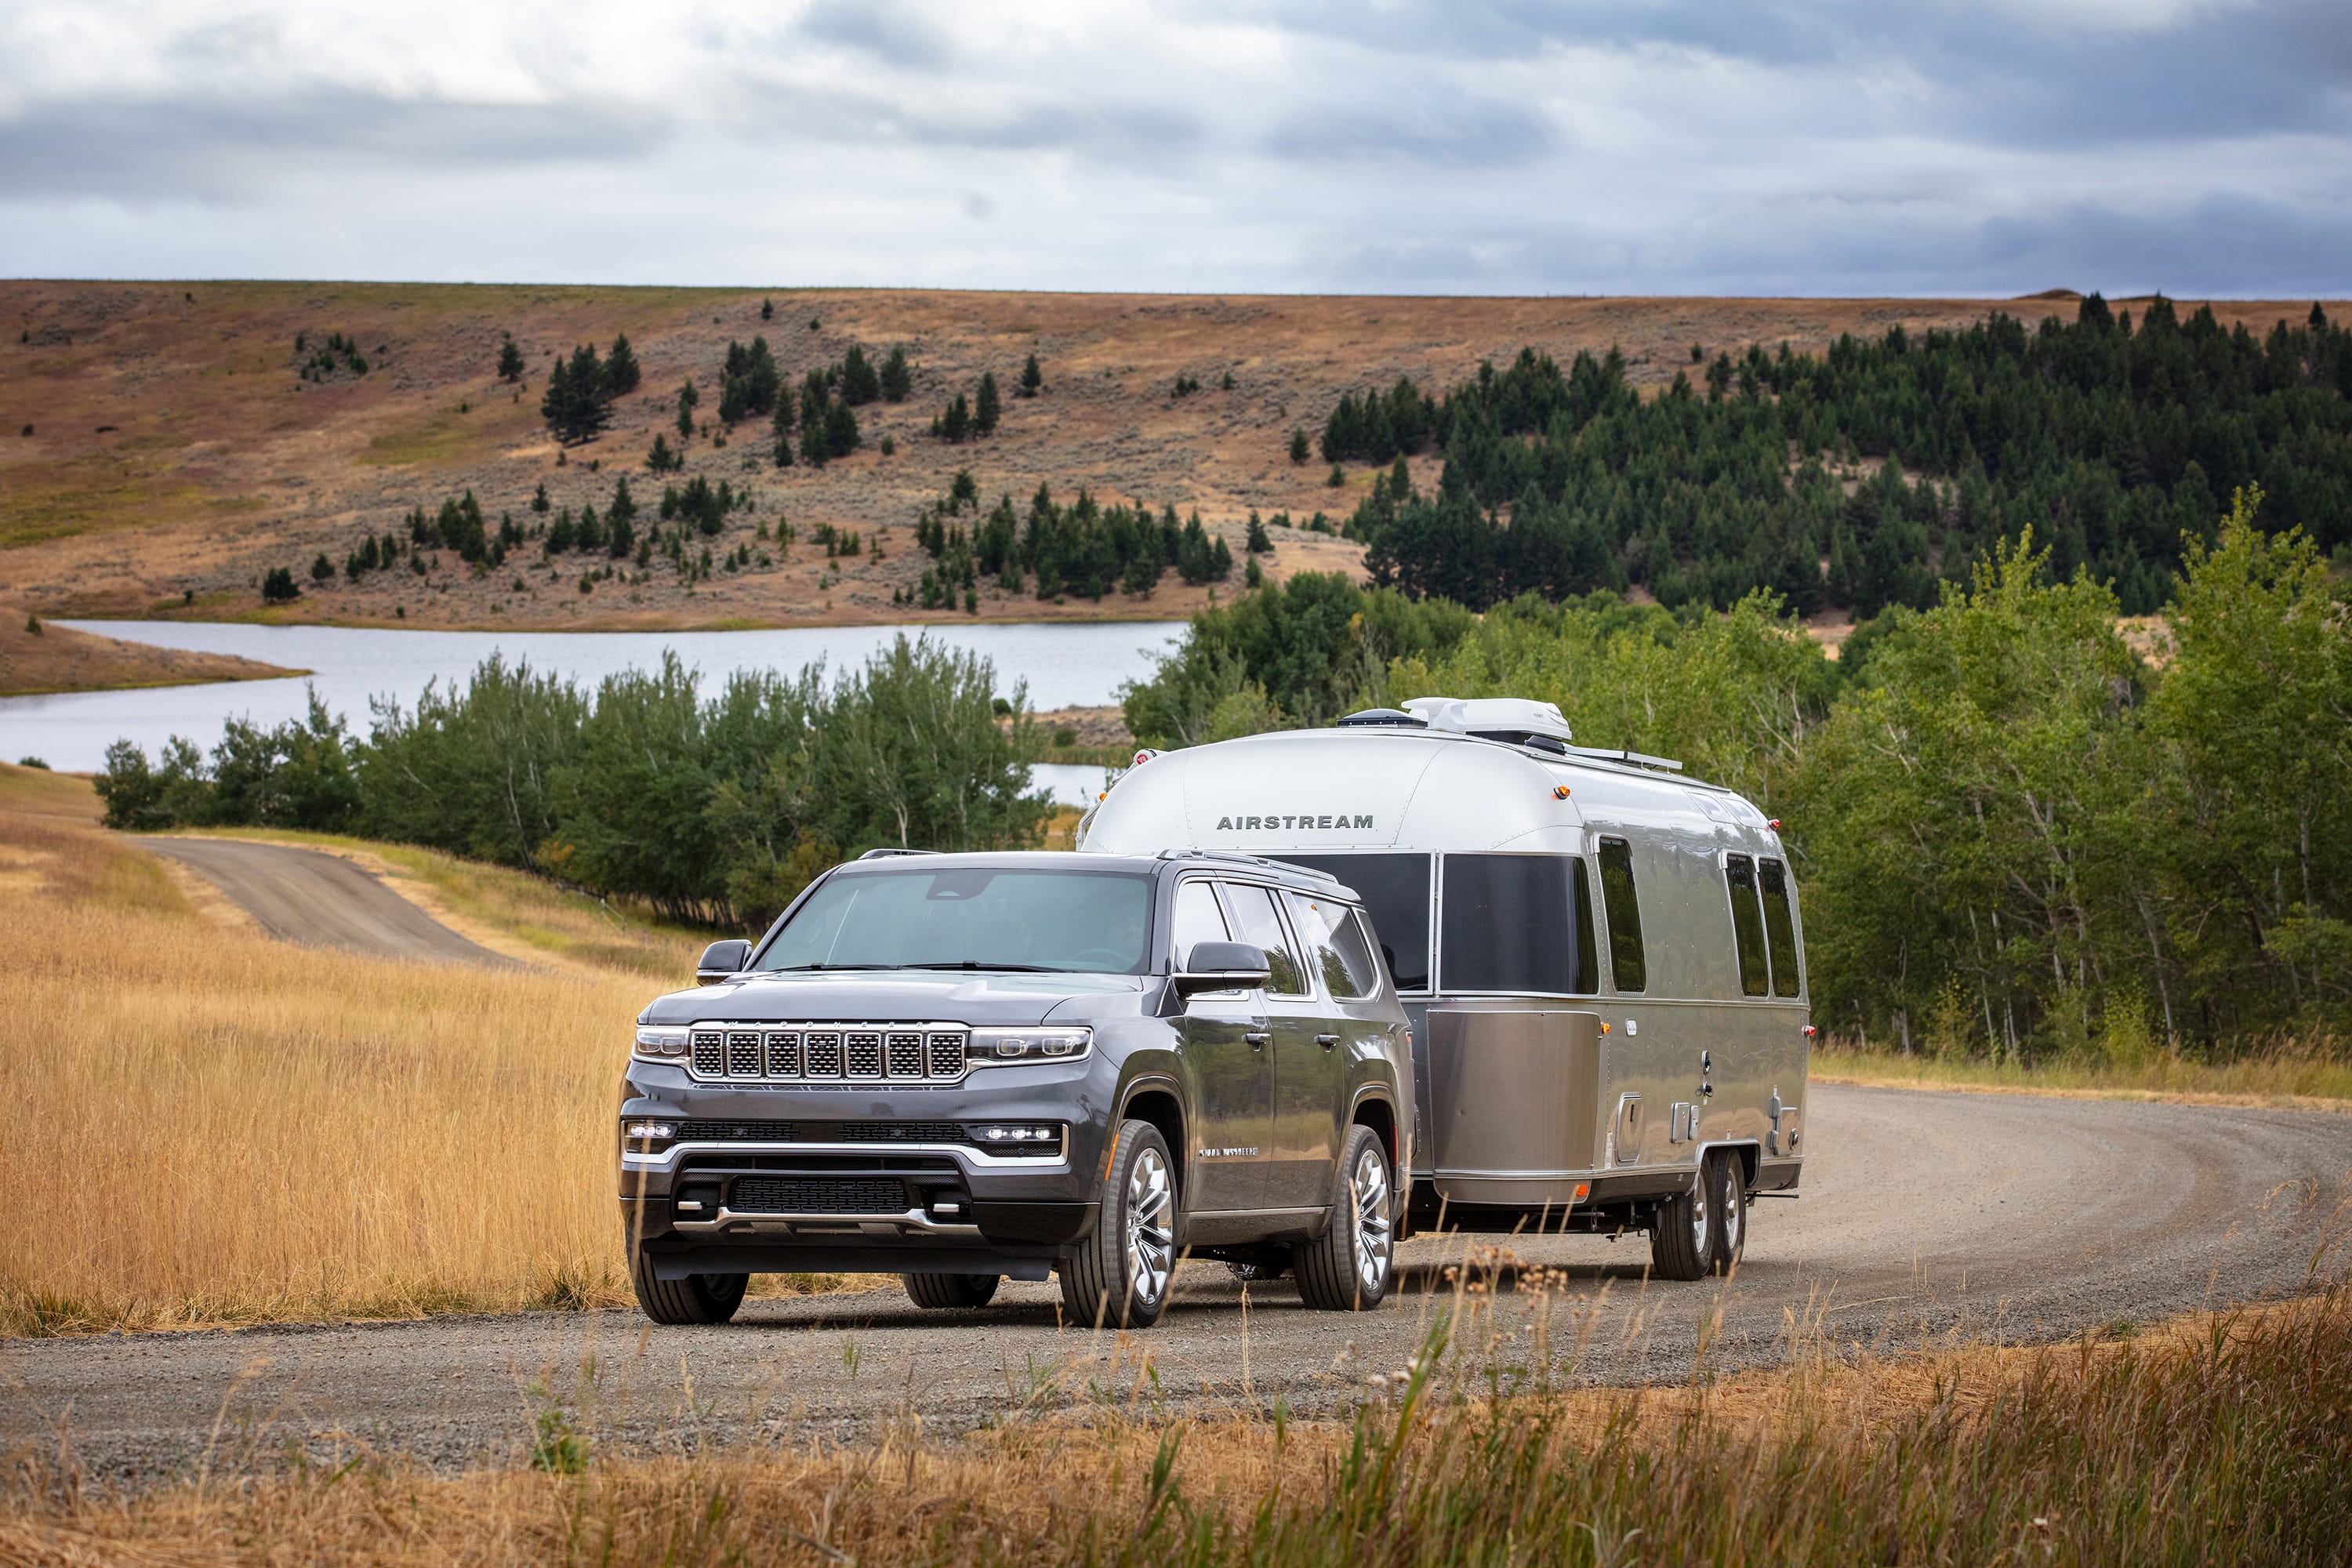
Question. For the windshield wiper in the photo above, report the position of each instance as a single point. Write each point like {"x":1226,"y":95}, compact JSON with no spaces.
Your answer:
{"x":801,"y":968}
{"x":974,"y":963}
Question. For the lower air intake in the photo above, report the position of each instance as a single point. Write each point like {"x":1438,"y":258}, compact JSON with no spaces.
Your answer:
{"x":817,"y":1194}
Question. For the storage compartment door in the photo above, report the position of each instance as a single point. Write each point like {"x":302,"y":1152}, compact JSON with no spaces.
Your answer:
{"x":1514,"y":1103}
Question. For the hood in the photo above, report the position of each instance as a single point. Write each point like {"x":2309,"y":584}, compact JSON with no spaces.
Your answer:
{"x":864,"y":996}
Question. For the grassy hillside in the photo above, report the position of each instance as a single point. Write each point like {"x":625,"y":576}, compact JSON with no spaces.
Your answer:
{"x":176,"y":451}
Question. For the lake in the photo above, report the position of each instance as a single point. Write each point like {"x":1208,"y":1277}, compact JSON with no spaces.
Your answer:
{"x":1064,"y":665}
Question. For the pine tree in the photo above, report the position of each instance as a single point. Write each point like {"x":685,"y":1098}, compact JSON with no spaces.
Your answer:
{"x":816,"y":448}
{"x":510,"y":361}
{"x":662,"y":459}
{"x":841,"y":430}
{"x":983,"y":418}
{"x":955,"y":424}
{"x":1032,"y":379}
{"x":579,"y":400}
{"x":767,"y":309}
{"x":686,"y":399}
{"x":539,"y":502}
{"x":621,"y":373}
{"x":897,"y":376}
{"x":860,"y":382}
{"x":321,"y":568}
{"x":278,"y":587}
{"x":1259,"y":543}
{"x":1298,"y":448}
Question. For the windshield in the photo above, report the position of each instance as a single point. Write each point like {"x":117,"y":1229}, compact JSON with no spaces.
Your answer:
{"x":1093,"y":922}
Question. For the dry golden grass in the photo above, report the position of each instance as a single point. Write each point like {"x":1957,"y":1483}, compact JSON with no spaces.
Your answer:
{"x":259,"y":1131}
{"x":58,"y":658}
{"x":2099,"y":1450}
{"x":2301,"y":1074}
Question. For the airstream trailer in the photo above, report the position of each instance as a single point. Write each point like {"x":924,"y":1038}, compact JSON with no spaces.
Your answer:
{"x":1602,"y":961}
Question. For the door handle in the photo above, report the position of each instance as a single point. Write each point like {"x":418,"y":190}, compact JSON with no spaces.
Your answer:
{"x":1257,"y":1039}
{"x":1326,"y":1041}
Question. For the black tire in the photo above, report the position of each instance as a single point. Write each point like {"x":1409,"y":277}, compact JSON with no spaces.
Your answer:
{"x":697,"y":1299}
{"x":947,"y":1292}
{"x":1683,"y":1235}
{"x":1349,"y":1268}
{"x":1104,"y":1279}
{"x":1730,"y":1209}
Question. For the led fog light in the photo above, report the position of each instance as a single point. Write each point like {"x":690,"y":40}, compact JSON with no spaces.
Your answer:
{"x":1031,"y":1135}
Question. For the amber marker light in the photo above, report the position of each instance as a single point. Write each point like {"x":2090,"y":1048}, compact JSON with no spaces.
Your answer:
{"x":1604,"y":1028}
{"x":1560,"y":792}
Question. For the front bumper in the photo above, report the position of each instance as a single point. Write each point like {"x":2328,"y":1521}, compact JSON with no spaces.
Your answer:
{"x":861,"y":1177}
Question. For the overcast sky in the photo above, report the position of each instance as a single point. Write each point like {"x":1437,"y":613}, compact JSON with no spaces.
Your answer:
{"x":1848,"y":147}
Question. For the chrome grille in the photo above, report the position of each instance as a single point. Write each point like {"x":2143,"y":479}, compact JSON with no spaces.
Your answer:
{"x":744,"y":1057}
{"x":862,"y":1054}
{"x":905,"y":1056}
{"x":709,"y":1053}
{"x":947,"y":1055}
{"x":784,"y":1054}
{"x":824,"y":1055}
{"x":912,"y":1053}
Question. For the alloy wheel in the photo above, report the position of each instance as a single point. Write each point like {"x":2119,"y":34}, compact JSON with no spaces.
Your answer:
{"x":1372,"y":1237}
{"x":1151,"y":1230}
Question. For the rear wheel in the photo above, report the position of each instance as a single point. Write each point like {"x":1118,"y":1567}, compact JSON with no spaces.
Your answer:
{"x":1120,"y":1274}
{"x":946,"y":1292}
{"x":1682,"y":1233}
{"x":1731,"y":1210}
{"x":697,"y":1299}
{"x":1349,"y":1268}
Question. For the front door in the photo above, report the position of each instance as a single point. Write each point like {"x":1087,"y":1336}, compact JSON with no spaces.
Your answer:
{"x":1226,"y":1038}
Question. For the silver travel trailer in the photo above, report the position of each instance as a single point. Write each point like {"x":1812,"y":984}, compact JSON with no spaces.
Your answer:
{"x":1602,"y":961}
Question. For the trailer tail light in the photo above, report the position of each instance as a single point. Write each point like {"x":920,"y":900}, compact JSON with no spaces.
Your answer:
{"x":1810,"y":1031}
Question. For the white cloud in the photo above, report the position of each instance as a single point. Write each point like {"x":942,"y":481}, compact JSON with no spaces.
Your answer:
{"x":1511,"y":145}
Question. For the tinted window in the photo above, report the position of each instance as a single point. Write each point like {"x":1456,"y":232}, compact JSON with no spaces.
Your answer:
{"x":1198,"y":920}
{"x":1779,"y":927}
{"x":1395,"y":891}
{"x":1259,"y":925}
{"x":1588,"y":963}
{"x":1081,"y":922}
{"x":1510,"y":924}
{"x":1628,"y":965}
{"x":1747,"y":923}
{"x":1333,"y":945}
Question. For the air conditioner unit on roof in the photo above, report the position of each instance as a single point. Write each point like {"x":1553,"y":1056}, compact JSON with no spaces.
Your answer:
{"x":1513,"y":716}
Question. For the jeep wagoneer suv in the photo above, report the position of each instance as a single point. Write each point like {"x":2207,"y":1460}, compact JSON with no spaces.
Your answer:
{"x":962,"y":1067}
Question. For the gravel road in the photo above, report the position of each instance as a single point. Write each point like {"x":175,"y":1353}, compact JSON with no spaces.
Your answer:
{"x":1926,"y":1217}
{"x":303,"y":895}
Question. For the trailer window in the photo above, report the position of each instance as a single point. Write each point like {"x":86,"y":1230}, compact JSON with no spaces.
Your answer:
{"x":1509,"y":925}
{"x":1334,"y":944}
{"x":1628,"y":965}
{"x":1395,"y":891}
{"x":1747,"y":923}
{"x":1779,"y":927}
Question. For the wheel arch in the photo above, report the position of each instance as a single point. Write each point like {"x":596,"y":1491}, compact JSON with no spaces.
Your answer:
{"x":1157,"y":1101}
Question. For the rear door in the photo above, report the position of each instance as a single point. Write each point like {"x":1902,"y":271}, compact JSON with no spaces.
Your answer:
{"x":1227,"y":1041}
{"x":1301,"y":1151}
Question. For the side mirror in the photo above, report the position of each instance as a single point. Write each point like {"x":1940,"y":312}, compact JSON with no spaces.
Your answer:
{"x":721,"y":959}
{"x":1222,"y":966}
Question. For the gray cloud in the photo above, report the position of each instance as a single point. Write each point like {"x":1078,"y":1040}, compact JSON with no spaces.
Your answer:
{"x":1455,"y":133}
{"x":894,"y":34}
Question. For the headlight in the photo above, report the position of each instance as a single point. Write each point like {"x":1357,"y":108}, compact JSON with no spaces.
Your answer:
{"x":646,"y":1137}
{"x":1038,"y":1045}
{"x":660,"y":1042}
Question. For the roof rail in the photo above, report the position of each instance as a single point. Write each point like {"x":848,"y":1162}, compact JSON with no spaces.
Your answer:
{"x":1637,"y":759}
{"x":893,"y":854}
{"x":1240,"y":858}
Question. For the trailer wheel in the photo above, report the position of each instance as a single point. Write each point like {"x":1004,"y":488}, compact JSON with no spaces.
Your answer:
{"x":1731,"y":1198}
{"x":948,"y":1292}
{"x":1682,"y":1231}
{"x":697,"y":1299}
{"x":1349,"y":1268}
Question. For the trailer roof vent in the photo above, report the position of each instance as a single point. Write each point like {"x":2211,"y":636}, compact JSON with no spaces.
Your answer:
{"x":1383,"y":718}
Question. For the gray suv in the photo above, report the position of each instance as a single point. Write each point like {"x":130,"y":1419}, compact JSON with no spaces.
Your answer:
{"x":961,"y":1068}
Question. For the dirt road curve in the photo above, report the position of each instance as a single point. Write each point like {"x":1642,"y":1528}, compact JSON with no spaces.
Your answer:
{"x":1925,"y":1216}
{"x":301,"y":895}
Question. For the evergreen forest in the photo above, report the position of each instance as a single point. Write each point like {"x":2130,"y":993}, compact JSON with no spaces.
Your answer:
{"x":2113,"y":441}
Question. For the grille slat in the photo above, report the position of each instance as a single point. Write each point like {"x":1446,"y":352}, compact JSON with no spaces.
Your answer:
{"x":817,"y":1194}
{"x":799,"y":1053}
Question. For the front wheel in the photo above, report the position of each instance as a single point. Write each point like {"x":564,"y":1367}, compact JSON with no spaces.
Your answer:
{"x":1119,"y":1276}
{"x":1349,"y":1268}
{"x":697,"y":1299}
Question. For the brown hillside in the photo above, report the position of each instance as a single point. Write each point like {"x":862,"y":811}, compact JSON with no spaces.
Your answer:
{"x":176,"y":455}
{"x":39,"y":657}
